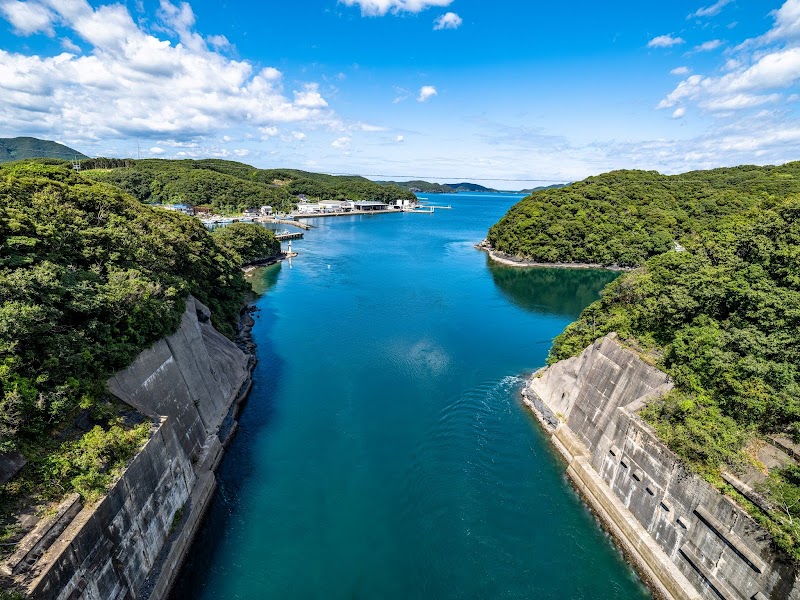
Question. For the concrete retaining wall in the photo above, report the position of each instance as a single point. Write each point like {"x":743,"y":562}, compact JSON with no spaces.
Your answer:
{"x":688,"y":540}
{"x":132,"y":542}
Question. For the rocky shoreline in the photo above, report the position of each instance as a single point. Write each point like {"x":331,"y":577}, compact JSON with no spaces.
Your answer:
{"x":513,"y":261}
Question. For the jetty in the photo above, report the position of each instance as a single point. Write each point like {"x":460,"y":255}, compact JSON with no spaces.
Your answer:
{"x":287,"y":235}
{"x":291,"y":222}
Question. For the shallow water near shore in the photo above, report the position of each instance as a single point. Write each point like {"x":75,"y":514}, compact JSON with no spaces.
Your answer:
{"x":384,"y":452}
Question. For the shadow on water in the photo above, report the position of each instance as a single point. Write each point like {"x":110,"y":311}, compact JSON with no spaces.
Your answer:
{"x":264,"y":279}
{"x":542,"y":290}
{"x":238,"y":463}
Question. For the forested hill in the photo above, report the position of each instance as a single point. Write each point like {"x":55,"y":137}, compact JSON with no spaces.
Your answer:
{"x":228,"y":186}
{"x":720,"y":313}
{"x":625,"y":217}
{"x":89,"y":277}
{"x":19,"y":148}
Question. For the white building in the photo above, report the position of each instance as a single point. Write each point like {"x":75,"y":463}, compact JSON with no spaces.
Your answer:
{"x":308,"y":208}
{"x":330,"y":206}
{"x":266,"y":211}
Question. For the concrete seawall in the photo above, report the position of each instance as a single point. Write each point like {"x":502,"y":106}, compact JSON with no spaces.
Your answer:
{"x":686,"y":538}
{"x":131,"y":543}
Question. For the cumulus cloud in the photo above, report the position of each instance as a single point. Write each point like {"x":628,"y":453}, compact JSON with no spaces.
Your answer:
{"x":426,"y":92}
{"x":665,"y":41}
{"x":679,"y":113}
{"x":449,"y":20}
{"x":710,"y":11}
{"x":133,"y":83}
{"x":378,"y":8}
{"x":680,"y":71}
{"x":787,"y":23}
{"x":341,"y":143}
{"x":399,"y":139}
{"x":28,"y":17}
{"x":156,"y":150}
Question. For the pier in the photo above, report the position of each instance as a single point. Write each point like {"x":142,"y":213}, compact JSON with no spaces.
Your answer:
{"x":282,"y":237}
{"x":291,"y":222}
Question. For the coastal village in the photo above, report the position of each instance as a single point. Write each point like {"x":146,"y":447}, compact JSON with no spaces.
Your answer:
{"x":304,"y":208}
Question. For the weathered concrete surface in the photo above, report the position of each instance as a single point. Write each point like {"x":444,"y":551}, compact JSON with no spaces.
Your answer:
{"x":687,"y":539}
{"x":132,"y":542}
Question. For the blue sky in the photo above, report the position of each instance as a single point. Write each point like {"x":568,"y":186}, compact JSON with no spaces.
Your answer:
{"x":441,"y":89}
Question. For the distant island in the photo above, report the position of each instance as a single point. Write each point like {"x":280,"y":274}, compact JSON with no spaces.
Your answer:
{"x":555,"y":186}
{"x":19,"y":148}
{"x":426,"y":187}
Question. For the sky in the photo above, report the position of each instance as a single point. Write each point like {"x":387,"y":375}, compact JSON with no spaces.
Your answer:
{"x":512,"y":93}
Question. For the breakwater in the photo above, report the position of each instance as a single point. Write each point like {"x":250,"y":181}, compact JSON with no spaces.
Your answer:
{"x":130,"y":544}
{"x":687,"y":539}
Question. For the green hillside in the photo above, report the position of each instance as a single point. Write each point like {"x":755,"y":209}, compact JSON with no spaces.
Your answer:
{"x":19,"y":148}
{"x":625,"y":217}
{"x":89,"y":277}
{"x":720,"y":313}
{"x":229,"y":186}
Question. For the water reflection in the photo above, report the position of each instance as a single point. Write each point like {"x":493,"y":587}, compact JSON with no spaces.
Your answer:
{"x":543,"y":290}
{"x":263,"y":279}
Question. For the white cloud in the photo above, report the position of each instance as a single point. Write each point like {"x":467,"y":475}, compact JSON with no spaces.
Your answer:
{"x":665,"y":41}
{"x":28,"y":17}
{"x":680,"y":71}
{"x":679,"y":113}
{"x":731,"y":64}
{"x":134,"y":83}
{"x":740,"y":101}
{"x":710,"y":11}
{"x":70,"y":46}
{"x":298,"y":136}
{"x":219,"y":42}
{"x":787,"y":22}
{"x":156,"y":150}
{"x":341,"y":143}
{"x":370,"y":128}
{"x":378,"y":8}
{"x":708,"y":46}
{"x":241,"y":152}
{"x":426,"y":92}
{"x":449,"y":20}
{"x":310,"y":97}
{"x":399,"y":139}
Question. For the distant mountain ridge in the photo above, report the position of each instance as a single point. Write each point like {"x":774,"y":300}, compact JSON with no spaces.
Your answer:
{"x":19,"y":148}
{"x":426,"y":187}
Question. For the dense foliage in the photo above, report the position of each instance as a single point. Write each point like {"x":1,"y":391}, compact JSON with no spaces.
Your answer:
{"x":248,"y":241}
{"x":722,"y":318}
{"x":725,"y":313}
{"x":88,"y":278}
{"x":230,"y":187}
{"x":19,"y":148}
{"x":626,"y":217}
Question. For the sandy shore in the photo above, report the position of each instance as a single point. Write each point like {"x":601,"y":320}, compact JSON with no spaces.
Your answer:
{"x":511,"y":261}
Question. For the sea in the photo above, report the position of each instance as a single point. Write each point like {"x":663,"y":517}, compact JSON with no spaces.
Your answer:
{"x":384,"y":452}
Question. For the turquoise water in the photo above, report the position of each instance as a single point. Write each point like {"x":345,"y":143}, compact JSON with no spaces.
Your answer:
{"x":384,"y":452}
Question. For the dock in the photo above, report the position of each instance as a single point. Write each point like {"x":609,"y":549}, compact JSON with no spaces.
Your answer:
{"x":282,"y":237}
{"x":291,"y":222}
